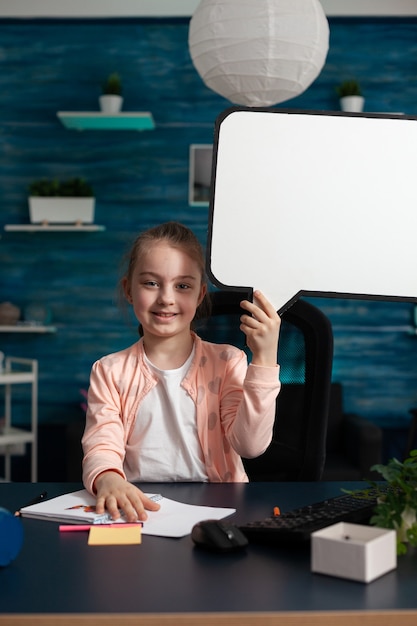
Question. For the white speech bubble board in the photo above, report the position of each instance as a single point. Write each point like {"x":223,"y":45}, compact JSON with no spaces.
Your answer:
{"x":307,"y":203}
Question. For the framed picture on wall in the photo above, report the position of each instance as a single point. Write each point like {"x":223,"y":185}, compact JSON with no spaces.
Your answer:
{"x":200,"y":174}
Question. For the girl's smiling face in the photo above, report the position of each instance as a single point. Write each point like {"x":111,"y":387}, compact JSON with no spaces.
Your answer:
{"x":165,"y":290}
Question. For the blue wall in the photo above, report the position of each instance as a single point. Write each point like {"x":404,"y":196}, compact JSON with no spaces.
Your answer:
{"x":142,"y":178}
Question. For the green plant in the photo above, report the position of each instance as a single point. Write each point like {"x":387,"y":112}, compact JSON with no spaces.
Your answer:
{"x":349,"y":88}
{"x":397,"y":506}
{"x":71,"y":188}
{"x":112,"y":85}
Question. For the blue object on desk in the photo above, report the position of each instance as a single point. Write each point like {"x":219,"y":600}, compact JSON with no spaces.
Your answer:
{"x":11,"y":537}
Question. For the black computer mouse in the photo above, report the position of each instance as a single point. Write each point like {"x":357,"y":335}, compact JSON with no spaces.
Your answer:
{"x":218,"y":536}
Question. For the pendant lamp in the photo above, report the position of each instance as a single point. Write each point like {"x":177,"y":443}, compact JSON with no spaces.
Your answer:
{"x":258,"y":53}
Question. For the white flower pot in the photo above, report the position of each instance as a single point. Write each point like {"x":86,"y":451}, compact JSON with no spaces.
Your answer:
{"x":56,"y":210}
{"x":352,"y":104}
{"x":408,"y":517}
{"x":110,"y":104}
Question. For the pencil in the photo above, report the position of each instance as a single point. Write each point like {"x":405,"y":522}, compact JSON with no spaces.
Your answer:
{"x":40,"y":498}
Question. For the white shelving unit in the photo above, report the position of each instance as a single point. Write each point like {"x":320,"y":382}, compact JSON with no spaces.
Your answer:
{"x":19,"y":371}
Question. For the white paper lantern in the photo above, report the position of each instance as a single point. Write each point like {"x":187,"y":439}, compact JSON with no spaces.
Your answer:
{"x":258,"y":52}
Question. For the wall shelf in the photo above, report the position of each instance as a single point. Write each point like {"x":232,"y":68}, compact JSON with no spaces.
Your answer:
{"x":45,"y":228}
{"x":26,"y":328}
{"x":86,"y":120}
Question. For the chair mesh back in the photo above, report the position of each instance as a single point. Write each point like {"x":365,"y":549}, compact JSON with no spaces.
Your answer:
{"x":291,"y":354}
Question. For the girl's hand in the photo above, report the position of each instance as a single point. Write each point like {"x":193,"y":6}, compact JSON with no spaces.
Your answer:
{"x":261,"y":328}
{"x":114,"y":493}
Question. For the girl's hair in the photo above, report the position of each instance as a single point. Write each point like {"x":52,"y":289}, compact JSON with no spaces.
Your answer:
{"x":178,"y":236}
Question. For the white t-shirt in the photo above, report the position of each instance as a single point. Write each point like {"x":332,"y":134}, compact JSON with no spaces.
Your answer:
{"x":164,"y":444}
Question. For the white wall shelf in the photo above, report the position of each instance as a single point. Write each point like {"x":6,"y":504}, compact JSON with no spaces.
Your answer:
{"x":19,"y":371}
{"x":27,"y":328}
{"x":90,"y":120}
{"x":49,"y":228}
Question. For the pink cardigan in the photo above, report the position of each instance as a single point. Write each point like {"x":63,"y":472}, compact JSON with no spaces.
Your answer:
{"x":235,"y":408}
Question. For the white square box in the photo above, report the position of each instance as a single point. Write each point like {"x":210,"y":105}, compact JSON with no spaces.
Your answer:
{"x":353,"y":551}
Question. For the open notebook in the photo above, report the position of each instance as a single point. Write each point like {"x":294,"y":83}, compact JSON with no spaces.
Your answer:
{"x":174,"y":519}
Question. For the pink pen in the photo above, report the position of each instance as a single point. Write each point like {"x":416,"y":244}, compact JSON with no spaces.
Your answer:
{"x":73,"y":528}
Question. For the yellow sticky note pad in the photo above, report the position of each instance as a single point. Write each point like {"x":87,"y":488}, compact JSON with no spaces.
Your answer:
{"x":117,"y":535}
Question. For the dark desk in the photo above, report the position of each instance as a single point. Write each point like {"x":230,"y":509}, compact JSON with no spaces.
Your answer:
{"x":58,"y":579}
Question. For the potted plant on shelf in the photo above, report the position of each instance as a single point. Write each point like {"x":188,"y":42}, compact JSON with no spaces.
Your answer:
{"x":350,"y":95}
{"x":61,"y":202}
{"x":111,"y":100}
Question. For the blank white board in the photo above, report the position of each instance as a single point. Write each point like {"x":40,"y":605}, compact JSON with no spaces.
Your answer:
{"x":307,"y":203}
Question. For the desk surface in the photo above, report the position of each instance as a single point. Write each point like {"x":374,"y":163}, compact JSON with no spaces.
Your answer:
{"x":168,"y":581}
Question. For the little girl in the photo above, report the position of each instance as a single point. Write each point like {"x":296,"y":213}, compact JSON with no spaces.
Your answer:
{"x":173,"y":407}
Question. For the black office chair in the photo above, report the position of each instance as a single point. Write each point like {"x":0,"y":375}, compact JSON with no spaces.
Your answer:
{"x":354,"y":443}
{"x":305,"y":355}
{"x":412,"y":434}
